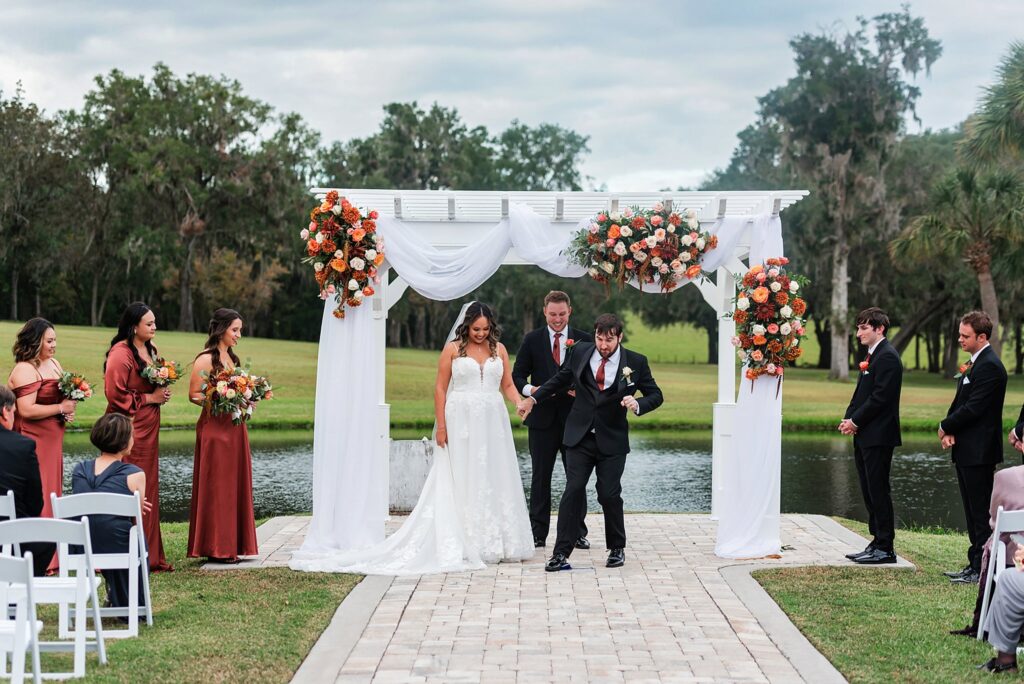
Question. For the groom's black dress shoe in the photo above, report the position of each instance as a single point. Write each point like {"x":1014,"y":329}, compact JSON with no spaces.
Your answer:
{"x":995,"y":667}
{"x":582,"y":543}
{"x":876,"y":557}
{"x":616,"y":558}
{"x":539,"y":543}
{"x":958,"y":573}
{"x":557,"y":562}
{"x":867,"y":549}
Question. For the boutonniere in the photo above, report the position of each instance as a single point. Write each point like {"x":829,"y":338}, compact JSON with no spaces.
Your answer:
{"x":570,"y":343}
{"x":965,"y":369}
{"x":627,"y":374}
{"x":864,"y":367}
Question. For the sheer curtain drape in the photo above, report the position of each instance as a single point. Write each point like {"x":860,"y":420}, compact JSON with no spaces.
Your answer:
{"x":350,"y":489}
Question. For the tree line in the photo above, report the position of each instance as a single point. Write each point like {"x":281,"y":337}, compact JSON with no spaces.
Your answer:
{"x":187,"y":193}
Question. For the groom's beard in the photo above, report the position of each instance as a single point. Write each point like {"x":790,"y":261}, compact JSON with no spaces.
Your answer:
{"x":609,"y":354}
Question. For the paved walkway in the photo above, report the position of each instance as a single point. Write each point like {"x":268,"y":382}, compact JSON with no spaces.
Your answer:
{"x":675,"y":612}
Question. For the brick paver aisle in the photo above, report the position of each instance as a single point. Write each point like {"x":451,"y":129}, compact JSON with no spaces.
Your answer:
{"x":669,"y":615}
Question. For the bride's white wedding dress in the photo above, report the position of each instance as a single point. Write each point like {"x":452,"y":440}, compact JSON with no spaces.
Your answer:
{"x":472,"y":509}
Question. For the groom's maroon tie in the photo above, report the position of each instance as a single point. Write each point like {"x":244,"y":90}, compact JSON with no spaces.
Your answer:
{"x":555,"y":351}
{"x":600,"y":374}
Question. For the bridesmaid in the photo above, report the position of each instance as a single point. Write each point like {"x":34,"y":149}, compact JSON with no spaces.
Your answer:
{"x":130,"y":394}
{"x":42,"y":409}
{"x":222,"y":525}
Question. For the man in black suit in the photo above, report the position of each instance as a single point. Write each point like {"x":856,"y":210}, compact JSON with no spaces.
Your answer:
{"x":873,"y":418}
{"x":540,"y":355}
{"x":19,"y":473}
{"x":973,"y":427}
{"x":606,"y":376}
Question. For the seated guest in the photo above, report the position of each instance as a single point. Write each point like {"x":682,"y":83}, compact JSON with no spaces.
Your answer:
{"x":1006,"y":618}
{"x":112,"y":435}
{"x":19,"y":473}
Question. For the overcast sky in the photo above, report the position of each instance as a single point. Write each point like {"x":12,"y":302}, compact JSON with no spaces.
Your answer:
{"x":661,"y":88}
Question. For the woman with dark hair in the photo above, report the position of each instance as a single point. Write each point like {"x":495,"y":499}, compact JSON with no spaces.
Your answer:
{"x":222,"y":524}
{"x":472,"y":509}
{"x":109,"y":474}
{"x":41,"y":408}
{"x":130,"y":394}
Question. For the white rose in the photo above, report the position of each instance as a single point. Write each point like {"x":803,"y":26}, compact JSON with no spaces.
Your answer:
{"x":671,"y":228}
{"x":607,"y":266}
{"x":353,"y":285}
{"x":693,"y":223}
{"x":796,"y":343}
{"x":620,"y":249}
{"x":320,"y":237}
{"x":775,"y":286}
{"x":371,"y":254}
{"x":358,"y":294}
{"x":336,"y":209}
{"x":616,"y":216}
{"x":786,"y":311}
{"x":700,"y":243}
{"x":785,"y":328}
{"x":339,"y":254}
{"x":656,"y":261}
{"x":628,"y":212}
{"x":742,"y":303}
{"x":684,"y":256}
{"x":626,"y":232}
{"x":658,"y":207}
{"x":651,"y":241}
{"x":640,"y":256}
{"x":686,"y":240}
{"x":793,"y":286}
{"x":247,"y":394}
{"x":318,"y":267}
{"x":690,"y":214}
{"x":230,"y":394}
{"x":357,"y":264}
{"x":758,"y":330}
{"x":304,"y":233}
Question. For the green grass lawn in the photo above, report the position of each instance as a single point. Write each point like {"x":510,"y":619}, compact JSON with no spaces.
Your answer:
{"x":217,"y":626}
{"x":811,"y":401}
{"x":888,"y":625}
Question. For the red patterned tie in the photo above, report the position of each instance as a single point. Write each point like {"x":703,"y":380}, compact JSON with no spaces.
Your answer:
{"x":600,"y":375}
{"x":555,"y":351}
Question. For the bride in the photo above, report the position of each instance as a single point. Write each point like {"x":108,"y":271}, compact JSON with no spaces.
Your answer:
{"x":472,"y":509}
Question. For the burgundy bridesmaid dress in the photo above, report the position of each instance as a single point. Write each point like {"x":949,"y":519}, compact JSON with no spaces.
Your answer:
{"x":48,"y":434}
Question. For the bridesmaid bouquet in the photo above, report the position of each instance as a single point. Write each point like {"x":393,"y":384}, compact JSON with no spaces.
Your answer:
{"x":161,"y":372}
{"x":74,"y":386}
{"x":235,"y":393}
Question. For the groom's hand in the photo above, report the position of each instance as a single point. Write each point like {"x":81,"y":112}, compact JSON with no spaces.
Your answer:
{"x":631,"y":403}
{"x":525,"y":406}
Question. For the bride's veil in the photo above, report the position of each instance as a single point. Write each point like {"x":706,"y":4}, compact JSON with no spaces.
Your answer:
{"x":451,"y":338}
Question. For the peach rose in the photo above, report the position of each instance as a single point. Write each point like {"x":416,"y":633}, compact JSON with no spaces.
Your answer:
{"x":760,"y":295}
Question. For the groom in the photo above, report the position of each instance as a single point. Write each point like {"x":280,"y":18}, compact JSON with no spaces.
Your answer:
{"x":606,"y":377}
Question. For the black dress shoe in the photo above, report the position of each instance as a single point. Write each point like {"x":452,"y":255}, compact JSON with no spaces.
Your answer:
{"x":876,"y":557}
{"x":582,"y":543}
{"x":539,"y":543}
{"x":995,"y":667}
{"x":616,"y":558}
{"x":557,"y":562}
{"x":867,"y":549}
{"x":968,"y":631}
{"x":958,"y":573}
{"x":971,"y":577}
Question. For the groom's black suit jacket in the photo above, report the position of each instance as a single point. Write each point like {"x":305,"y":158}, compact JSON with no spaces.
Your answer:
{"x":975,"y":417}
{"x":535,"y":365}
{"x":875,"y":406}
{"x":601,"y":411}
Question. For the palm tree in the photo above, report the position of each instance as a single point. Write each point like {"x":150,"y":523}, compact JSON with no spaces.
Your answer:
{"x":975,"y":218}
{"x":996,"y":130}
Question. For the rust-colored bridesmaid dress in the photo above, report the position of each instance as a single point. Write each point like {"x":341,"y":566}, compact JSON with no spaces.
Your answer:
{"x":48,"y":434}
{"x":222,"y":524}
{"x":124,"y":387}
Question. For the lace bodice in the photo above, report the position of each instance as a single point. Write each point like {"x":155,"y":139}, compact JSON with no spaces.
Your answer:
{"x":470,"y":376}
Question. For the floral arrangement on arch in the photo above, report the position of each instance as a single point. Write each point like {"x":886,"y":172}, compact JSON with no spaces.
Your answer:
{"x":769,"y":318}
{"x":654,"y":246}
{"x":344,"y":249}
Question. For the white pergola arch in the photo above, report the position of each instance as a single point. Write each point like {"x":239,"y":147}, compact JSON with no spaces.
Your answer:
{"x":457,"y":219}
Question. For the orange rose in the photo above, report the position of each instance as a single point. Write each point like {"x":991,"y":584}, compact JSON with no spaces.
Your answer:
{"x":614,"y":233}
{"x":339,"y":265}
{"x":369,"y":226}
{"x":358,"y":234}
{"x":367,"y":291}
{"x":378,"y":260}
{"x":760,"y":294}
{"x":760,"y":339}
{"x":756,"y":269}
{"x":693,"y":271}
{"x":321,"y":276}
{"x":312,"y":247}
{"x":751,"y":375}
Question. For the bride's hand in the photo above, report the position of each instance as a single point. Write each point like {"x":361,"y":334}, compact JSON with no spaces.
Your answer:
{"x":442,"y":437}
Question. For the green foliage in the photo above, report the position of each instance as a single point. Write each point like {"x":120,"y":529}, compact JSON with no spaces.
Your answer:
{"x":996,"y":131}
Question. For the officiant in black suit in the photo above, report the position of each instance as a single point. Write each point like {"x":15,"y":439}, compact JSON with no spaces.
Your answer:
{"x":539,"y":357}
{"x":606,"y":377}
{"x":873,"y":419}
{"x":973,"y":427}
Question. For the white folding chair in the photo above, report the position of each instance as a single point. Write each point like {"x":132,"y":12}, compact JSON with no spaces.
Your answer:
{"x":7,"y":510}
{"x":64,"y":589}
{"x":1006,"y":521}
{"x":21,"y":632}
{"x":135,"y":558}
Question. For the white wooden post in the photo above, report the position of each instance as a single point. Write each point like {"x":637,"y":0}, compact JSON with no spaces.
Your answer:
{"x":723,"y":409}
{"x":380,"y":305}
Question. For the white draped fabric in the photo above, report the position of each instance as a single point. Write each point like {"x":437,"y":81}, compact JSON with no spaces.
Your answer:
{"x":350,"y":488}
{"x":749,"y":528}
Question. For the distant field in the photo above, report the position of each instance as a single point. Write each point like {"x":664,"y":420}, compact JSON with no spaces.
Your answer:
{"x":811,"y":402}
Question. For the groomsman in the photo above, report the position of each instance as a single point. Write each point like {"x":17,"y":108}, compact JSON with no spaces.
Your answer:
{"x":539,"y":357}
{"x":873,"y":418}
{"x":973,"y":428}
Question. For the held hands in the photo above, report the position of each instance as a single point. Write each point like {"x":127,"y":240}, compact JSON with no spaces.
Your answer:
{"x":525,"y":406}
{"x":847,"y":427}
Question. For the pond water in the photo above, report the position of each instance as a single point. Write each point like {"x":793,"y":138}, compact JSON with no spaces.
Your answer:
{"x":665,"y":472}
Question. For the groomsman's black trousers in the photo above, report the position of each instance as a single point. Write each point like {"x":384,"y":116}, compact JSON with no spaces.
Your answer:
{"x":580,"y":461}
{"x":873,"y":467}
{"x":545,"y":444}
{"x":976,"y":493}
